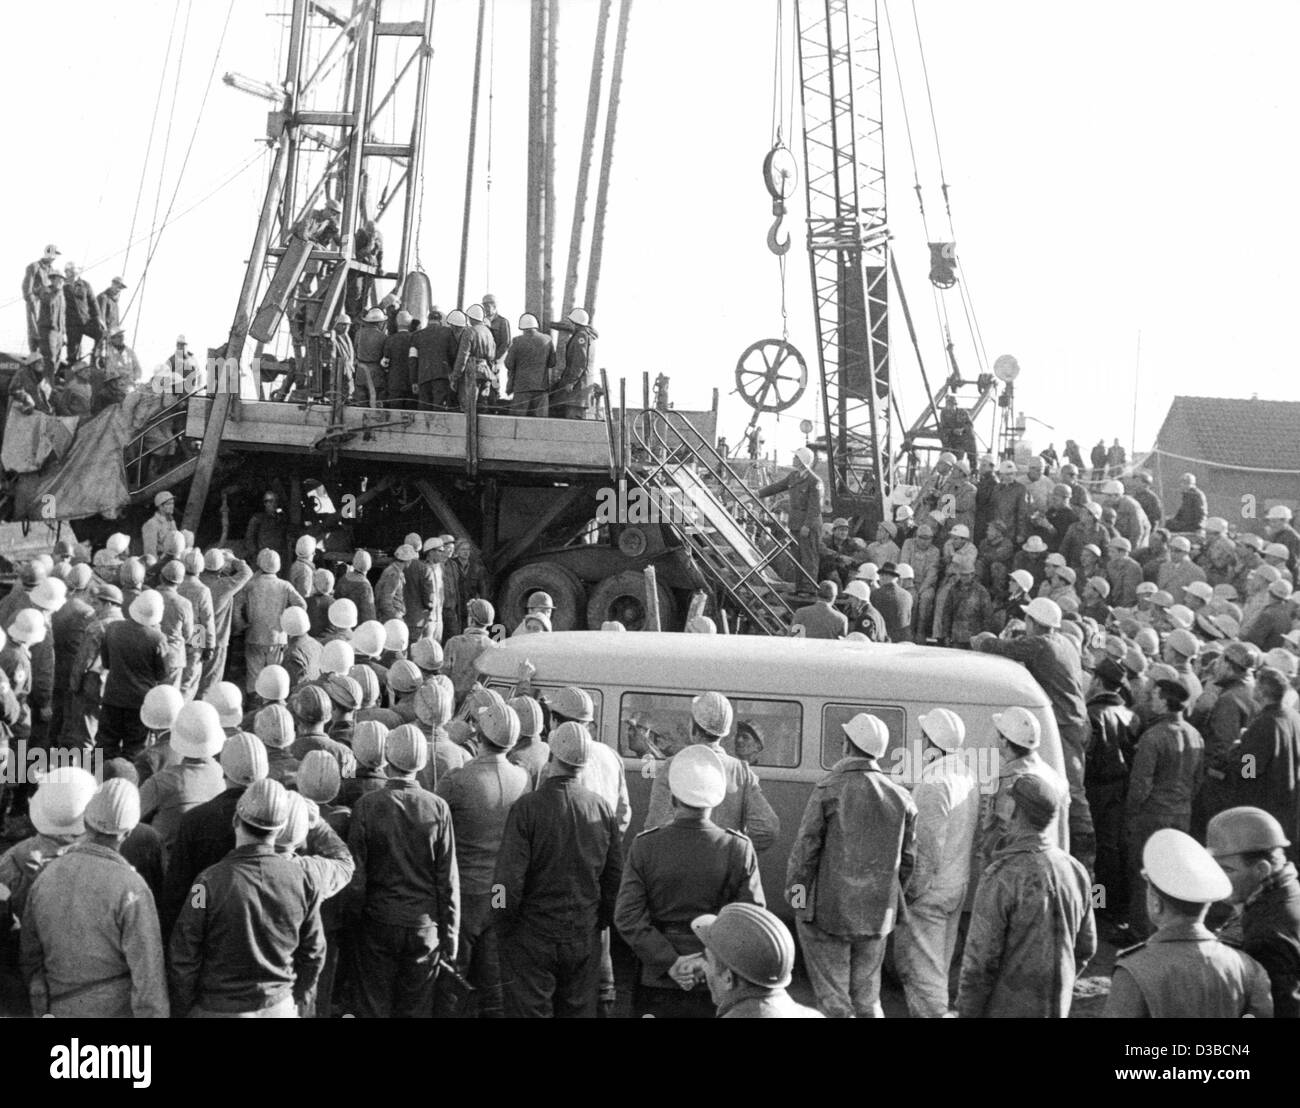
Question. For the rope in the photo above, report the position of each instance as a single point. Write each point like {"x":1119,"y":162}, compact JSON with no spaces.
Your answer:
{"x":139,"y":289}
{"x":259,"y":156}
{"x":153,"y":124}
{"x":907,"y":123}
{"x":1159,"y":450}
{"x":934,"y":125}
{"x":189,"y":149}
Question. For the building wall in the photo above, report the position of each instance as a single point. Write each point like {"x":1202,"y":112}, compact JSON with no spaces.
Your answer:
{"x":1242,"y":498}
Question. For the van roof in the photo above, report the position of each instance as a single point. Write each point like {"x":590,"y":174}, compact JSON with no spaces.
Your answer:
{"x":901,"y":671}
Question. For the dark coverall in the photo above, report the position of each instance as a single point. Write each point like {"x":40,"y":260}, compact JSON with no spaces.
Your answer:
{"x":558,"y":873}
{"x":408,"y":887}
{"x":805,"y":489}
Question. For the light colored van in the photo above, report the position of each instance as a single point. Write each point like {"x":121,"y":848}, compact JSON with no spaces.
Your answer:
{"x":795,"y":693}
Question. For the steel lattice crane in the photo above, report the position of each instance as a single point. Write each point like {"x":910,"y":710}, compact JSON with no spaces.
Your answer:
{"x":848,"y":241}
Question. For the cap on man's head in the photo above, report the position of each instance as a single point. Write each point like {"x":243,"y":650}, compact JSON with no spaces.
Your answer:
{"x":115,"y":808}
{"x":1036,"y":799}
{"x":1179,"y":542}
{"x":406,"y":749}
{"x":1178,"y":866}
{"x":697,"y":777}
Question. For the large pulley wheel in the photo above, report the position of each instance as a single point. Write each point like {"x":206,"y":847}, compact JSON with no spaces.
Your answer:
{"x":771,"y":375}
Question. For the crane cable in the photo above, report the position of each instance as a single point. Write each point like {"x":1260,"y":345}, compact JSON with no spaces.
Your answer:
{"x":907,"y":123}
{"x":782,"y":124}
{"x":153,"y":125}
{"x":934,"y":125}
{"x":185,"y":161}
{"x":139,"y":289}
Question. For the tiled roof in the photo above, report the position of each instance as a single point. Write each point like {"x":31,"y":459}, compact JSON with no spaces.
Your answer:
{"x":1260,"y":434}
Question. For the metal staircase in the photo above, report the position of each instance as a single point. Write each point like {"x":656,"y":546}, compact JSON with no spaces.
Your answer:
{"x":733,"y":536}
{"x":144,"y":473}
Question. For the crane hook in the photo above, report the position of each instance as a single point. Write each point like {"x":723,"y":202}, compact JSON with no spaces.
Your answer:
{"x":774,"y":244}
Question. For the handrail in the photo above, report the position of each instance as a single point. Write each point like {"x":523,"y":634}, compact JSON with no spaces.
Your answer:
{"x":673,"y":448}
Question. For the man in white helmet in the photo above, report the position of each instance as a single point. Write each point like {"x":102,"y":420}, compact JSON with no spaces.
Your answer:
{"x":947,"y":814}
{"x":672,"y":875}
{"x":267,"y":595}
{"x":806,"y":494}
{"x":473,"y":374}
{"x":572,"y":394}
{"x":134,"y":653}
{"x":1054,"y":664}
{"x":744,"y":808}
{"x":397,"y":366}
{"x":530,"y":365}
{"x":851,"y":861}
{"x":225,"y":576}
{"x":1182,"y":970}
{"x":1278,"y":527}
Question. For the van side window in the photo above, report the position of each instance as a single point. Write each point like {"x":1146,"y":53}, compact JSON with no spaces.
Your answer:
{"x":507,"y":689}
{"x":657,"y":725}
{"x":835,"y":716}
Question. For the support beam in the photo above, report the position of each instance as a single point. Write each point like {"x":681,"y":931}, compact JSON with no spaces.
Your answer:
{"x":517,"y":546}
{"x":533,"y":221}
{"x":548,"y":212}
{"x":584,"y":160}
{"x":444,"y":511}
{"x":607,"y":159}
{"x":469,"y":156}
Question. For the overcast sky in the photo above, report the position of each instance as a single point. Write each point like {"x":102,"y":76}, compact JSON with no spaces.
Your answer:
{"x":1114,"y":167}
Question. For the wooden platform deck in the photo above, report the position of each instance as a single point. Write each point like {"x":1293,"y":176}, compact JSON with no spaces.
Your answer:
{"x":506,"y":443}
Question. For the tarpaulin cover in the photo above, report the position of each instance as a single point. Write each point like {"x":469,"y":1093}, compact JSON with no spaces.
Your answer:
{"x":89,"y":476}
{"x":31,"y":439}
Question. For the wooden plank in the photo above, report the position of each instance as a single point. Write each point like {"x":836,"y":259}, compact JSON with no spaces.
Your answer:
{"x":652,"y":622}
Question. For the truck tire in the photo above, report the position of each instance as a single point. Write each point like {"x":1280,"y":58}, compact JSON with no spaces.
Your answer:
{"x":622,"y":597}
{"x":568,"y":593}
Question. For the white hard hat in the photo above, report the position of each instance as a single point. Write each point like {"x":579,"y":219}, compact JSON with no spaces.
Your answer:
{"x":960,"y":531}
{"x":947,"y":457}
{"x":475,"y":312}
{"x":1216,"y":525}
{"x":305,"y":547}
{"x":1181,"y":868}
{"x":944,"y":728}
{"x":272,"y":682}
{"x":868,"y":571}
{"x":1181,"y":616}
{"x":570,"y":743}
{"x":161,"y":703}
{"x":857,"y":589}
{"x":573,"y":703}
{"x":228,"y":701}
{"x":1279,"y":513}
{"x":712,"y":713}
{"x":196,"y":731}
{"x":1018,"y":725}
{"x":528,"y":322}
{"x":294,"y":622}
{"x":697,"y":777}
{"x":343,"y":614}
{"x":50,"y":594}
{"x":804,"y":457}
{"x":1112,"y":488}
{"x":27,"y":627}
{"x":580,"y":317}
{"x":1023,"y":578}
{"x":397,"y":636}
{"x":868,"y":733}
{"x":906,"y":572}
{"x":456,"y":318}
{"x":368,"y":639}
{"x":60,"y":801}
{"x":1054,"y":559}
{"x":147,"y":608}
{"x":337,"y":657}
{"x":1044,"y":611}
{"x":1202,"y":590}
{"x":1006,"y":468}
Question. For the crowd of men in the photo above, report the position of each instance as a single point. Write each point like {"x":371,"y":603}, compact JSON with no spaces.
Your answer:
{"x":1169,"y":647}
